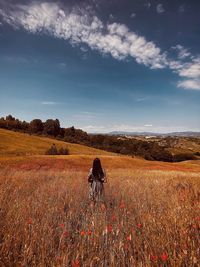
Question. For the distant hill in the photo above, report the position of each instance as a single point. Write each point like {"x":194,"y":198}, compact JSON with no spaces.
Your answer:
{"x":19,"y":144}
{"x":183,"y":134}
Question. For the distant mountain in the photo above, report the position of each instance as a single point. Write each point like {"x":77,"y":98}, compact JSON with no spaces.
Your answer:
{"x":183,"y":134}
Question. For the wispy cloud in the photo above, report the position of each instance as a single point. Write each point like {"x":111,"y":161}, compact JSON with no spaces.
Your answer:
{"x":142,"y":99}
{"x":182,"y":51}
{"x":84,"y":28}
{"x":113,"y":38}
{"x":160,"y":9}
{"x":133,"y":15}
{"x":190,"y":71}
{"x":148,"y":125}
{"x":49,"y":103}
{"x":190,"y":84}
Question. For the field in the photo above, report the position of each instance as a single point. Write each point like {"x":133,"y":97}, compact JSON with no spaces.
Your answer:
{"x":19,"y":144}
{"x":150,"y":216}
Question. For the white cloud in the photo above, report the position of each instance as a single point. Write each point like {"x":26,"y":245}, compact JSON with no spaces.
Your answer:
{"x":182,"y":52}
{"x":49,"y":103}
{"x":160,"y":9}
{"x":191,"y":70}
{"x":133,"y":15}
{"x":111,"y":16}
{"x":114,"y":38}
{"x":85,"y":29}
{"x":148,"y":125}
{"x":190,"y":84}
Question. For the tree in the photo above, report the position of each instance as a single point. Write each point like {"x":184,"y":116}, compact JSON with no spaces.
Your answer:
{"x":36,"y":126}
{"x":52,"y":127}
{"x":10,"y":118}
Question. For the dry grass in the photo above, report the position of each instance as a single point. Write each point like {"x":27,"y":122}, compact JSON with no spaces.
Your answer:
{"x":20,"y":144}
{"x":150,"y":218}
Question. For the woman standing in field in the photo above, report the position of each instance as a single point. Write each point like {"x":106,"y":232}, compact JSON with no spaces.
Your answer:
{"x":96,"y":178}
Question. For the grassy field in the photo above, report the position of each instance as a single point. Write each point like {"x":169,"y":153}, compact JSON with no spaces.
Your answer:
{"x":149,"y":218}
{"x":150,"y":215}
{"x":20,"y":144}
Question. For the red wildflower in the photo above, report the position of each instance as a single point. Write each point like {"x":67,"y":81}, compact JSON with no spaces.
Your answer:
{"x":62,"y":225}
{"x":164,"y":257}
{"x":139,"y":225}
{"x":122,"y":205}
{"x":82,"y":233}
{"x":76,"y":263}
{"x":198,"y":219}
{"x":29,"y":221}
{"x":109,"y":228}
{"x":153,"y":258}
{"x":89,"y":232}
{"x":113,"y":218}
{"x":128,"y":237}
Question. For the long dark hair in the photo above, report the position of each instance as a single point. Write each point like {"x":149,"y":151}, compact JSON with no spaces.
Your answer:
{"x":97,"y":170}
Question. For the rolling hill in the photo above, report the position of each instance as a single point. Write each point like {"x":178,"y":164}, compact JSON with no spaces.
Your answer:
{"x":28,"y":151}
{"x":21,"y":144}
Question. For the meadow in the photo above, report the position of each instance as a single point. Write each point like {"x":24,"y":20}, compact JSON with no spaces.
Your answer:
{"x":150,"y":216}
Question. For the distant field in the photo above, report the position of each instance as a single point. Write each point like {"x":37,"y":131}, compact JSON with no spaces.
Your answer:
{"x":24,"y":151}
{"x":20,"y":144}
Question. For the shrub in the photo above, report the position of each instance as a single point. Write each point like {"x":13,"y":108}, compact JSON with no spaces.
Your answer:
{"x":63,"y":151}
{"x":54,"y":151}
{"x":183,"y":156}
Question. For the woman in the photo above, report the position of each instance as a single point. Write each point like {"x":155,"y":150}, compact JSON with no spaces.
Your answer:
{"x":96,"y":178}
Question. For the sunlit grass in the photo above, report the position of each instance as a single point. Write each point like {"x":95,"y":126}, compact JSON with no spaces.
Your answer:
{"x":149,"y":218}
{"x":21,"y":144}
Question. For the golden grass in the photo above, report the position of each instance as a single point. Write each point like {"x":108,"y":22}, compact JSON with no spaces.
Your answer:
{"x":20,"y":144}
{"x":39,"y":162}
{"x":149,"y":218}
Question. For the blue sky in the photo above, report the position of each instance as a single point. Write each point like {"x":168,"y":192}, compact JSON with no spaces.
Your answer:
{"x":102,"y":65}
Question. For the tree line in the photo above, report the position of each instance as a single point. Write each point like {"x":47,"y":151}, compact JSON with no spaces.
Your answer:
{"x":52,"y":128}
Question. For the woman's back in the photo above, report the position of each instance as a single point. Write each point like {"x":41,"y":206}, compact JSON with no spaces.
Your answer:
{"x":96,"y":178}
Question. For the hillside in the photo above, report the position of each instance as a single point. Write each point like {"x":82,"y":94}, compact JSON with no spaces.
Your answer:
{"x":21,"y":144}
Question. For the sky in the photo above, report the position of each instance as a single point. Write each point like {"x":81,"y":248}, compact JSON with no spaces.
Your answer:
{"x":102,"y":65}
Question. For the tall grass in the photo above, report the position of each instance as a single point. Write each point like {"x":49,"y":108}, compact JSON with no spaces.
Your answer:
{"x":148,"y":219}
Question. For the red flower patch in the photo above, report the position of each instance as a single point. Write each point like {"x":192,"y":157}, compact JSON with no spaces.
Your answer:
{"x":82,"y":233}
{"x":76,"y":263}
{"x":153,"y":258}
{"x":62,"y":225}
{"x":128,"y":238}
{"x":113,"y":218}
{"x":29,"y":221}
{"x":122,"y":205}
{"x":89,"y":232}
{"x":109,"y":228}
{"x":164,"y":257}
